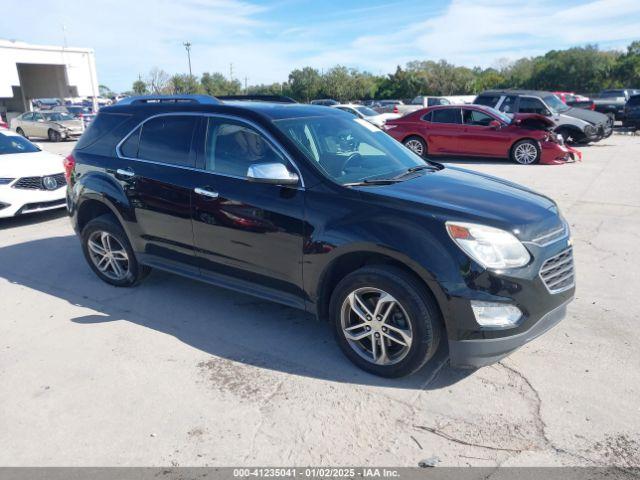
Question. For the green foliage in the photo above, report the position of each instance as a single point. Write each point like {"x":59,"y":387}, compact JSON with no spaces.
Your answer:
{"x":581,"y":69}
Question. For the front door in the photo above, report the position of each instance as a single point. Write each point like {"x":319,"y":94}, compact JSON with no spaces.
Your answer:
{"x":247,"y":235}
{"x":481,"y":139}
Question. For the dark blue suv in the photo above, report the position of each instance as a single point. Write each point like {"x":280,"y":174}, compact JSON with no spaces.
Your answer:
{"x":313,"y":208}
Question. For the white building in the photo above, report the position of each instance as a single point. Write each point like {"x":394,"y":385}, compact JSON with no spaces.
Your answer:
{"x":39,"y":71}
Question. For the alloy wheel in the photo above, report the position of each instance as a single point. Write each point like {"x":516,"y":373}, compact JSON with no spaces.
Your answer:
{"x":526,"y":153}
{"x":376,"y":326}
{"x":108,"y":255}
{"x":415,"y":146}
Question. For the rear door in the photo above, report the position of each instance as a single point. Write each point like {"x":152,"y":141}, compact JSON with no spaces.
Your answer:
{"x":248,"y":235}
{"x":445,"y":131}
{"x":481,"y":139}
{"x":158,"y":175}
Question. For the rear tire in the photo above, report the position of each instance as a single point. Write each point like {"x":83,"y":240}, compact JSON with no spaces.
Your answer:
{"x":417,"y":145}
{"x":403,"y":316}
{"x":19,"y":131}
{"x":526,"y":152}
{"x":109,"y":253}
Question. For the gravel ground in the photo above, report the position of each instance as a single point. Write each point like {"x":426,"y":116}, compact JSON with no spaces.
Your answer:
{"x":176,"y":372}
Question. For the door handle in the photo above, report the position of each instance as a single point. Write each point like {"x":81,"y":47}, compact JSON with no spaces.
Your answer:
{"x":126,"y":173}
{"x":206,"y":193}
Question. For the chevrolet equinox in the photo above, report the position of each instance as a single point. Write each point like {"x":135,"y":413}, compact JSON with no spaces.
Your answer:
{"x":313,"y":208}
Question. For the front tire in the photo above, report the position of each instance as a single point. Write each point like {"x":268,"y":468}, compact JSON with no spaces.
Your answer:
{"x":54,"y":136}
{"x":385,"y":321}
{"x":526,"y":152}
{"x":417,"y":145}
{"x":109,"y":253}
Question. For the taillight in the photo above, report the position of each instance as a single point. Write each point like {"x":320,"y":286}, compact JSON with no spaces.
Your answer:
{"x":395,"y":109}
{"x":592,"y":107}
{"x":69,"y":164}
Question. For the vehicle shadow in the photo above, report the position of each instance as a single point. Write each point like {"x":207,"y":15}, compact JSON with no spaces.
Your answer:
{"x":32,"y":218}
{"x":218,"y":322}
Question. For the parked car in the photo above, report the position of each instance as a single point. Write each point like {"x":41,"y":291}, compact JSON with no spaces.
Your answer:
{"x":30,"y":180}
{"x":366,"y":113}
{"x":576,"y":101}
{"x":324,"y":212}
{"x":3,"y":124}
{"x":576,"y":125}
{"x":632,"y":112}
{"x":55,"y":126}
{"x":326,"y":102}
{"x":45,"y":103}
{"x":79,"y":112}
{"x":479,"y":131}
{"x":612,"y":102}
{"x":387,"y":106}
{"x":420,"y":102}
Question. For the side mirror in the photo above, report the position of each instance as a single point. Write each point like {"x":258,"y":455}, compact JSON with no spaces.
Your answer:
{"x":495,"y":125}
{"x":272,"y":173}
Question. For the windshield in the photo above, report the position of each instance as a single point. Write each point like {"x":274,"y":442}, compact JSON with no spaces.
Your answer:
{"x":555,"y":104}
{"x":57,"y":116}
{"x":349,"y":150}
{"x":15,"y":144}
{"x":366,"y":111}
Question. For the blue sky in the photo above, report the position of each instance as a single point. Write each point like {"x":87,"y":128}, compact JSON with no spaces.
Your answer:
{"x":265,"y":39}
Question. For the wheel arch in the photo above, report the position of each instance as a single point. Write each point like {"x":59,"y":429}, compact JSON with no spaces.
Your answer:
{"x":350,"y":261}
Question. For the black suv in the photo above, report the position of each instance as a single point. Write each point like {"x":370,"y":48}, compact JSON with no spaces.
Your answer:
{"x":576,"y":125}
{"x":313,"y":208}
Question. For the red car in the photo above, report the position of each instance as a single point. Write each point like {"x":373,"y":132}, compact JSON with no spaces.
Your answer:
{"x":479,"y":131}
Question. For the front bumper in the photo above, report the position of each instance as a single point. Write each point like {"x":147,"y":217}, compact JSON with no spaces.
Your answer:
{"x":479,"y":353}
{"x":555,"y":154}
{"x":15,"y":201}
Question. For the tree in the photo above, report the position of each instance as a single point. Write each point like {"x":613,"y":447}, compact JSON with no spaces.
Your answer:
{"x":627,"y":70}
{"x":139,"y":87}
{"x":157,"y":80}
{"x":105,"y":91}
{"x":305,"y":84}
{"x":217,"y":84}
{"x":184,"y":84}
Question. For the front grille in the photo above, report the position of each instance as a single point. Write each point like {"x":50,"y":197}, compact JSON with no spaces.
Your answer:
{"x":558,"y":272}
{"x":36,"y":183}
{"x":552,"y":236}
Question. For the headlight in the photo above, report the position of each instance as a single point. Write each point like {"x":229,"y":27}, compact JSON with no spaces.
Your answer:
{"x":589,"y":130}
{"x":490,"y":247}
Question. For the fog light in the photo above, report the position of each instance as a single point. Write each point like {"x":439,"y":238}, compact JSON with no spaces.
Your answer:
{"x":500,"y":315}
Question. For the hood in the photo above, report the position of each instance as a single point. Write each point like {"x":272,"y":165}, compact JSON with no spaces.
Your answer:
{"x":72,"y":124}
{"x":34,"y":164}
{"x":595,"y":118}
{"x":523,"y":118}
{"x":478,"y":198}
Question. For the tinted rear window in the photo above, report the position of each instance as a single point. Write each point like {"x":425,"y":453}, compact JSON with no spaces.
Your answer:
{"x":168,"y":139}
{"x":447,"y":115}
{"x":634,"y":101}
{"x":488,"y":100}
{"x":103,"y":124}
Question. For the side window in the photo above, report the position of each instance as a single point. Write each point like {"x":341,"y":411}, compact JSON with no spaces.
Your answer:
{"x":531,"y":105}
{"x":37,"y":117}
{"x":446,"y":115}
{"x":348,"y":110}
{"x":508,"y":105}
{"x":168,"y":139}
{"x":427,"y":117}
{"x":130,"y":146}
{"x":417,"y":101}
{"x":27,"y":117}
{"x":232,"y":147}
{"x":475,"y":117}
{"x":487,"y":100}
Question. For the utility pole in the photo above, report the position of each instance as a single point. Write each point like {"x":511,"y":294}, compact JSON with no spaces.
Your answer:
{"x":245,"y":85}
{"x":231,"y":71}
{"x":187,"y":45}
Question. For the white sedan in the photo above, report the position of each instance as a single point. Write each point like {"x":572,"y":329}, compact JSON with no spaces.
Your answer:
{"x":366,"y":113}
{"x":30,"y":180}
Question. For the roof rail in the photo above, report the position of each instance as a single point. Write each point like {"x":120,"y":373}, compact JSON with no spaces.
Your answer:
{"x":258,"y":98}
{"x":153,"y":99}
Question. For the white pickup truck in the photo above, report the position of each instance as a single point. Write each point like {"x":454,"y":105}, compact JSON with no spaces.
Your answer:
{"x":421,"y":101}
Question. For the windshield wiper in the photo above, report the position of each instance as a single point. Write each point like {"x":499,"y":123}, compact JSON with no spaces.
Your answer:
{"x":396,"y":179}
{"x":415,"y":169}
{"x":365,"y":182}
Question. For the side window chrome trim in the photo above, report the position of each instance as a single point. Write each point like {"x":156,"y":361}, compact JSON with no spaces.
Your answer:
{"x":272,"y":141}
